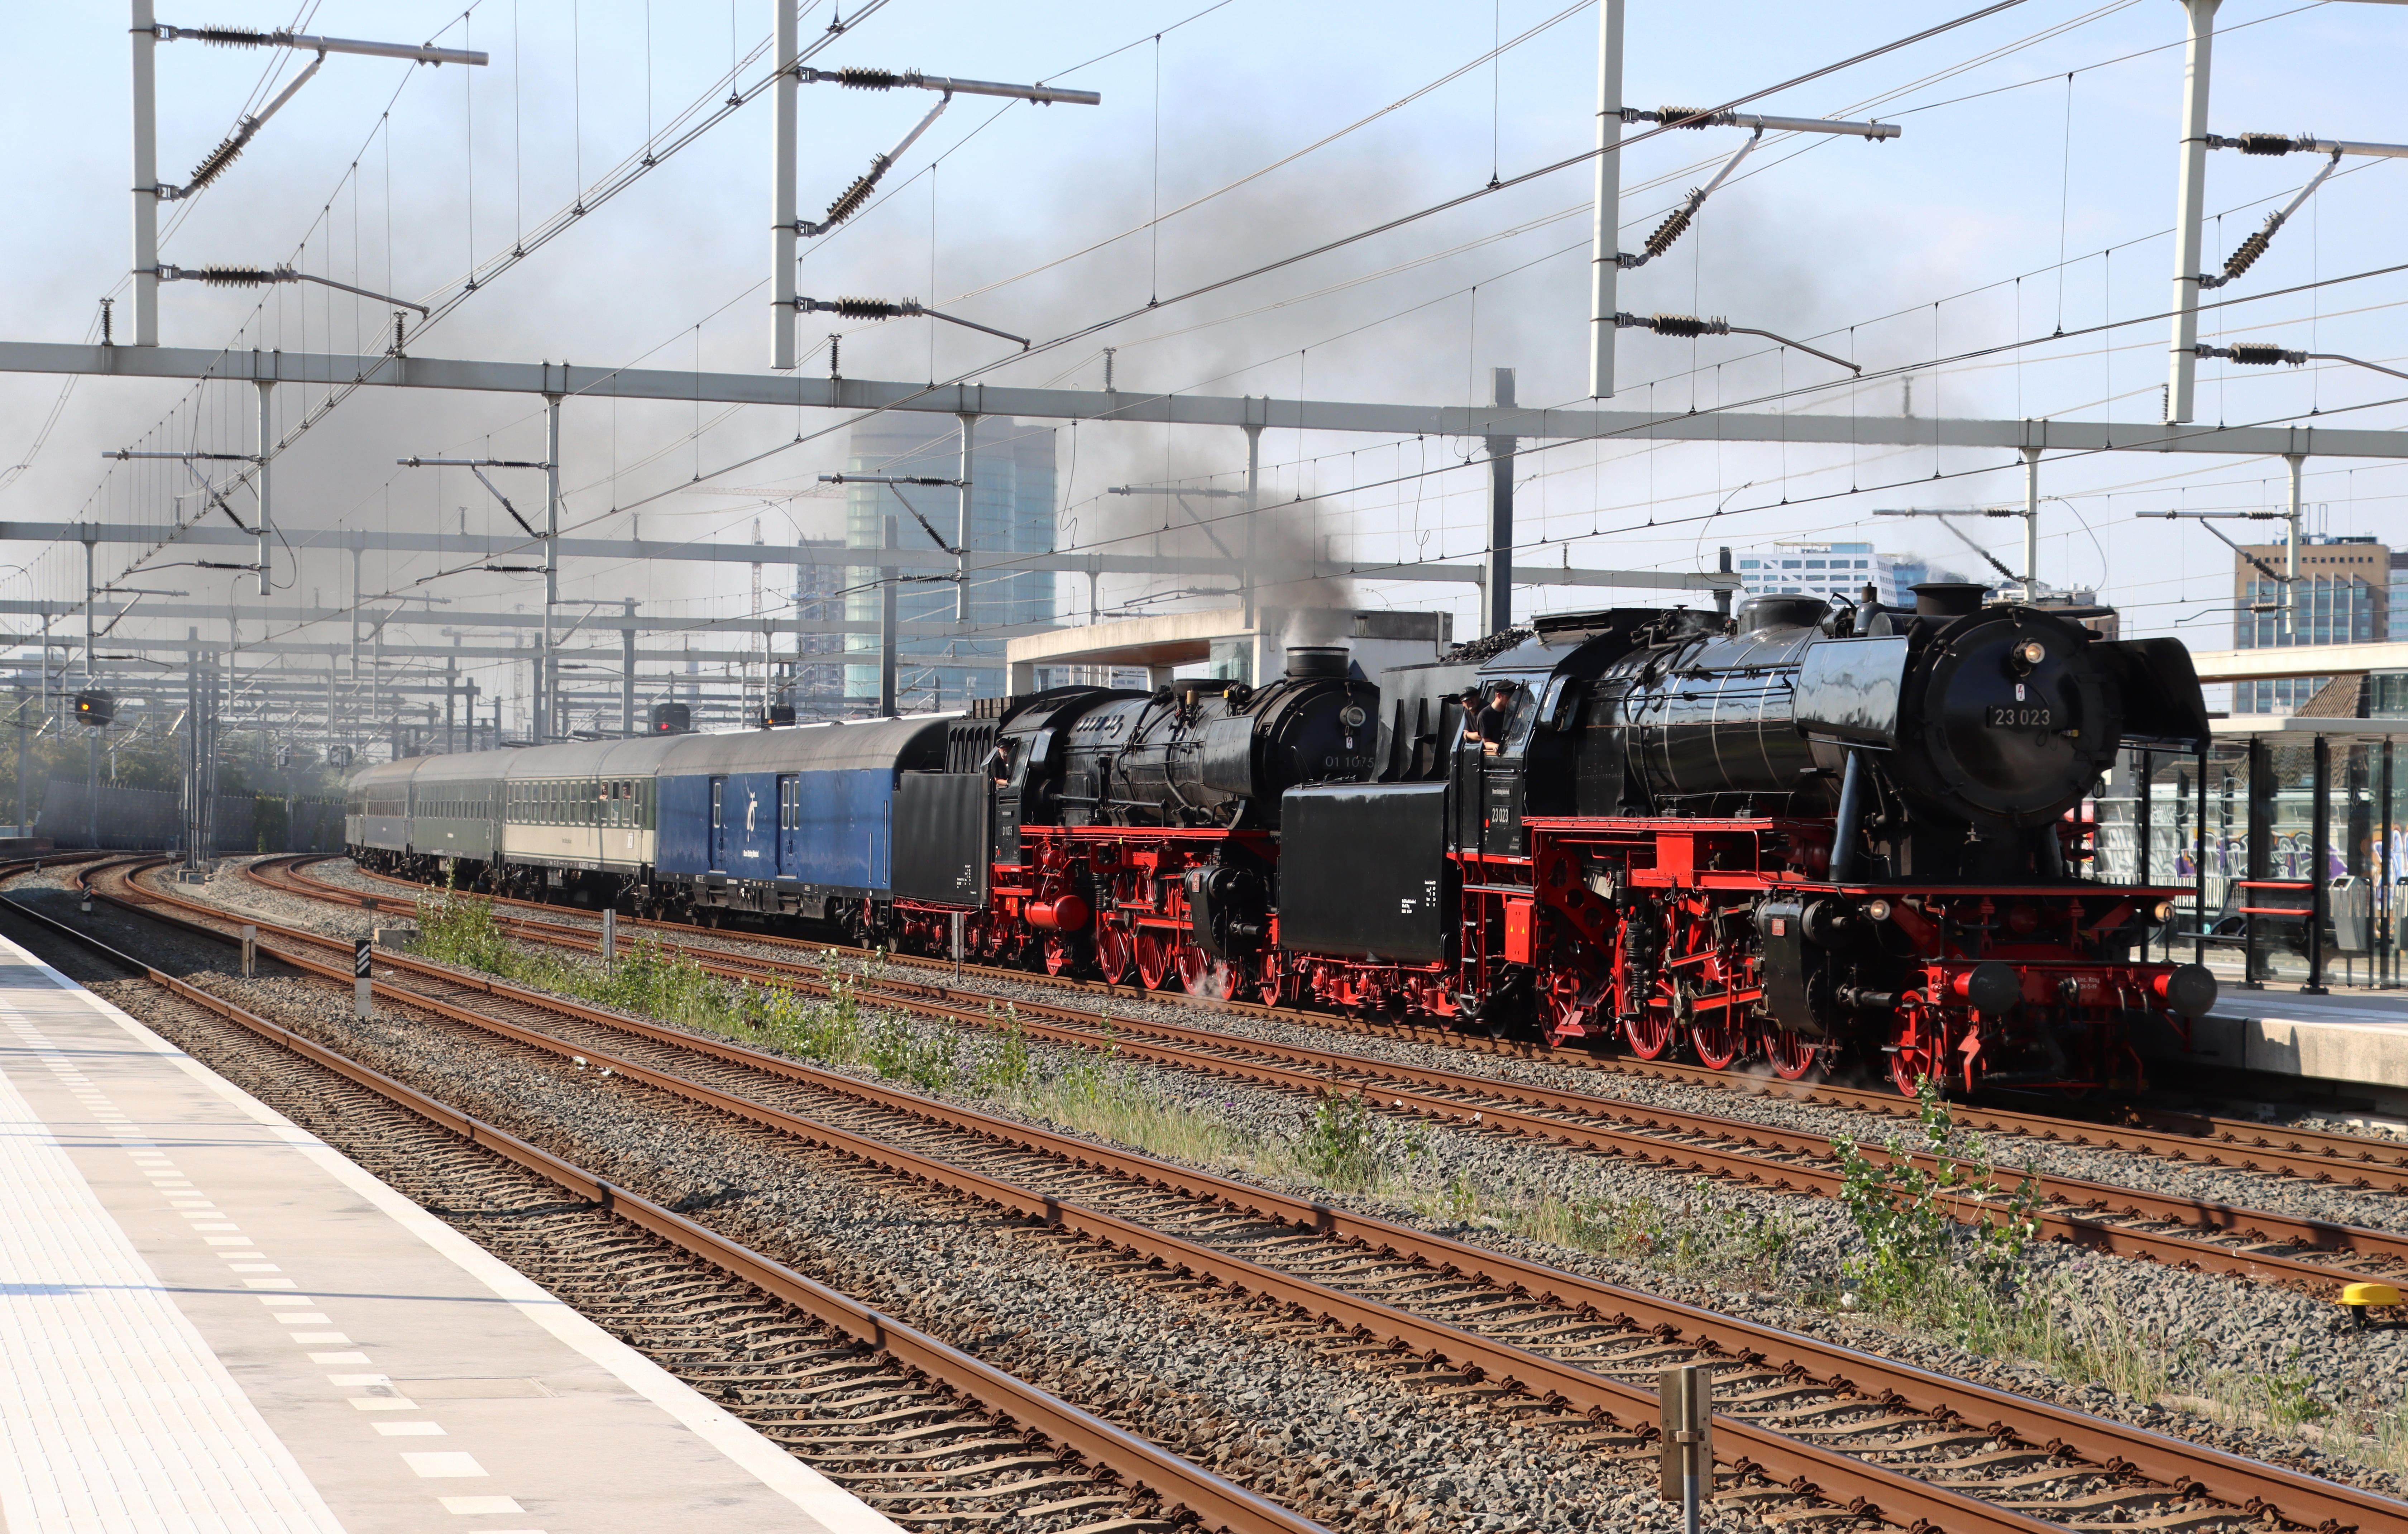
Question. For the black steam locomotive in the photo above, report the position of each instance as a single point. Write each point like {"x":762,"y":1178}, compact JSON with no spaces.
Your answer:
{"x":1806,"y":833}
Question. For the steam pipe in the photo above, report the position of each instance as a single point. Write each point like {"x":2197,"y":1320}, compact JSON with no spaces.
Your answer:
{"x":1846,"y":859}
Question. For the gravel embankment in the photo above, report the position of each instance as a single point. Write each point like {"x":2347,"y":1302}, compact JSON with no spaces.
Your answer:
{"x":1776,"y":1258}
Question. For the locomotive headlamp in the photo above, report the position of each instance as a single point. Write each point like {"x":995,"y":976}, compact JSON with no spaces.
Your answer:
{"x":1352,"y":716}
{"x":1876,"y":910}
{"x":2024,"y":657}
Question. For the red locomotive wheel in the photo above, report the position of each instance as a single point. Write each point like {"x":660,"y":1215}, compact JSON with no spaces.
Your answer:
{"x":1717,"y":1037}
{"x":1649,"y":1032}
{"x":1059,"y":956}
{"x":1271,"y":981}
{"x":1111,"y":951}
{"x":1793,"y":1058}
{"x":1154,"y":966}
{"x":1206,"y":977}
{"x":1916,"y":1055}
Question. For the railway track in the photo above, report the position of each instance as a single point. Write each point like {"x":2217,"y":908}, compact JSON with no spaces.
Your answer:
{"x":2199,"y":1139}
{"x":2132,"y":1222}
{"x":1809,"y":1429}
{"x":923,"y":1432}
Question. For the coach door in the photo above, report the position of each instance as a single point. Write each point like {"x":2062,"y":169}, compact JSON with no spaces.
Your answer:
{"x":719,"y":825}
{"x":789,"y":811}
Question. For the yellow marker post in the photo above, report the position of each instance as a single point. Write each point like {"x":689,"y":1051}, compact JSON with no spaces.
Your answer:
{"x":2355,"y":1298}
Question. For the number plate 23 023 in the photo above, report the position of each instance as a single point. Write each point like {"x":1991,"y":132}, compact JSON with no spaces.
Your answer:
{"x":2016,"y":716}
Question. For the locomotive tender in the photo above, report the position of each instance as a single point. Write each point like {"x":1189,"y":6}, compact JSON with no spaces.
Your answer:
{"x":1810,"y":834}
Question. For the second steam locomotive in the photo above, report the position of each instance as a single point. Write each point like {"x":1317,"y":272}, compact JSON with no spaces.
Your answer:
{"x":1810,"y":835}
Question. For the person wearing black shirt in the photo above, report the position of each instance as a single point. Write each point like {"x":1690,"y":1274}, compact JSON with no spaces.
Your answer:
{"x":1494,"y":718}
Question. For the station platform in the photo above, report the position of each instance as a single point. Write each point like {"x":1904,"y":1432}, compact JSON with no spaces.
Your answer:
{"x":212,"y":1321}
{"x":2353,"y":1042}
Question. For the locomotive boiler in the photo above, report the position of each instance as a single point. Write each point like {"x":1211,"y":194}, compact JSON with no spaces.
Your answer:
{"x":1809,"y":833}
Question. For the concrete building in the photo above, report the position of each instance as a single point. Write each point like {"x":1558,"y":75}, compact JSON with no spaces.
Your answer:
{"x":1011,"y":509}
{"x":1815,"y":569}
{"x":2342,"y":596}
{"x":1220,"y":645}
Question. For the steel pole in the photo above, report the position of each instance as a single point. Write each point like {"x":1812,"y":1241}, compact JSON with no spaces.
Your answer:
{"x":1497,"y":570}
{"x":2191,"y":201}
{"x":2295,"y":462}
{"x":782,"y":216}
{"x":1605,"y":217}
{"x":546,"y":680}
{"x":2032,"y":523}
{"x":1253,"y":505}
{"x":266,"y":448}
{"x":145,"y":175}
{"x":962,"y":532}
{"x":628,"y":672}
{"x":886,"y":584}
{"x":2319,"y":858}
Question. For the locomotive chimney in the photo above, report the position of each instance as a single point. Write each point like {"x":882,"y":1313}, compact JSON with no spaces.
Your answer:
{"x":1306,"y":662}
{"x":1948,"y":598}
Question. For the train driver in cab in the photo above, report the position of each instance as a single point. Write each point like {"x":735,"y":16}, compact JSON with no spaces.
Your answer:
{"x":1496,"y":719}
{"x":1470,"y":703}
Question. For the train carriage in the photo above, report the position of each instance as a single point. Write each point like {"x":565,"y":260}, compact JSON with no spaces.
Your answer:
{"x":796,"y":822}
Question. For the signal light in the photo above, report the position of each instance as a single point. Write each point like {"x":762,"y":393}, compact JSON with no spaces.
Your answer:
{"x":94,"y":708}
{"x":671,"y":719}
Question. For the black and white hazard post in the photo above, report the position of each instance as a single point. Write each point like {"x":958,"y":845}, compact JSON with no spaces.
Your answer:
{"x":1687,"y":1397}
{"x":363,"y":954}
{"x":957,"y":948}
{"x":249,"y":950}
{"x":610,"y":934}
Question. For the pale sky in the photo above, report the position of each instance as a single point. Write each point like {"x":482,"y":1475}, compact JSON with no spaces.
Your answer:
{"x":1944,"y":241}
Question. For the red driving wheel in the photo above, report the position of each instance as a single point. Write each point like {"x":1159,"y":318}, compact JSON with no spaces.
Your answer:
{"x":1718,"y":1038}
{"x":1111,"y":951}
{"x":1649,"y":1030}
{"x":1206,"y":977}
{"x":1154,"y":966}
{"x":1793,"y":1057}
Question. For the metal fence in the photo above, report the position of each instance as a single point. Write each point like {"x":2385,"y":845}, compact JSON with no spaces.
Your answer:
{"x":148,"y":820}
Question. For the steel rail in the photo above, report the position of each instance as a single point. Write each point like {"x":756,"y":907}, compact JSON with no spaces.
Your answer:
{"x":2184,"y":1467}
{"x":1742,"y":1155}
{"x":1220,"y":1503}
{"x":2197,"y":1138}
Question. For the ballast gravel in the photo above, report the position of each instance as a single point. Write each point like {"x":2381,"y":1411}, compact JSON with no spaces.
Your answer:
{"x":1775,"y":1259}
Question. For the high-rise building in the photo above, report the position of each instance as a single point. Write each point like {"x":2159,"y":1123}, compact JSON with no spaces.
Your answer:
{"x":1824,"y":569}
{"x":2342,"y":596}
{"x":1010,"y":510}
{"x":810,"y":676}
